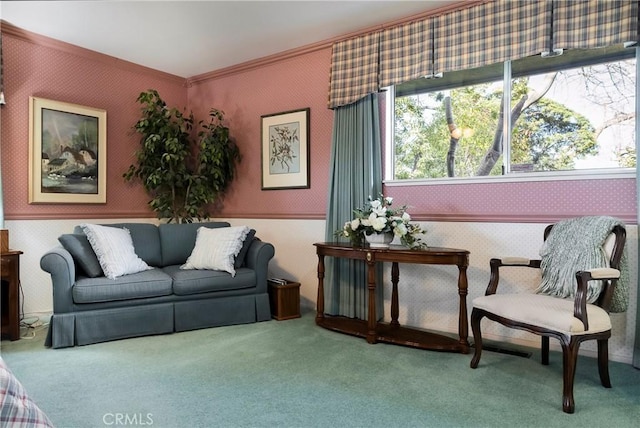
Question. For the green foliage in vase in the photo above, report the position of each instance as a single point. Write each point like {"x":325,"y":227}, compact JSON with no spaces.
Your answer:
{"x":183,"y":175}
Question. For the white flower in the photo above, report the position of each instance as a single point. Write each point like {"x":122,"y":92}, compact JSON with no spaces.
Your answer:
{"x":400,"y":229}
{"x":380,"y":212}
{"x":378,"y":223}
{"x":378,"y":208}
{"x":377,"y":216}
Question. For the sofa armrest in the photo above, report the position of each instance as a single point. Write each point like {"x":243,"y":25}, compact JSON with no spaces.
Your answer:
{"x":59,"y":263}
{"x":258,"y":257}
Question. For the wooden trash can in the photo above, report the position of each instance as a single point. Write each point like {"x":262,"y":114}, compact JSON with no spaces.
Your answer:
{"x":284,"y":299}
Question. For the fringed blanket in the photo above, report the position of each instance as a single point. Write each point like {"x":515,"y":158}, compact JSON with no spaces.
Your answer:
{"x":578,"y":244}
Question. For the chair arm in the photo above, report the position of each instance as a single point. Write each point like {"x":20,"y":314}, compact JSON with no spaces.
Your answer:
{"x":496,"y":264}
{"x":59,"y":263}
{"x":582,"y":278}
{"x":258,"y":257}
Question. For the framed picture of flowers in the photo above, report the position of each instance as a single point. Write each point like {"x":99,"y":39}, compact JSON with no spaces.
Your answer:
{"x":285,"y":150}
{"x":67,"y":153}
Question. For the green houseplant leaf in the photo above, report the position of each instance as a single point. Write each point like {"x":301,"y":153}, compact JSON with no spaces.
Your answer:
{"x":182,"y":174}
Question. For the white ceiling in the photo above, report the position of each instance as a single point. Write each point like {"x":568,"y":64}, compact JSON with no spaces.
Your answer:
{"x":188,"y":38}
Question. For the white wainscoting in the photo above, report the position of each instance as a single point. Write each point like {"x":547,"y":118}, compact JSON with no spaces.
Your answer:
{"x":428,"y":295}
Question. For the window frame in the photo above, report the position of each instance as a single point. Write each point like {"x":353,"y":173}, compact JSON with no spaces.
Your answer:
{"x":508,"y":176}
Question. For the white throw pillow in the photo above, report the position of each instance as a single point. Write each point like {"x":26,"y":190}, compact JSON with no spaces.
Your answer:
{"x":114,"y":248}
{"x":216,"y":248}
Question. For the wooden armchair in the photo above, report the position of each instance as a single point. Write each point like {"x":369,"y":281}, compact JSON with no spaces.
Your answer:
{"x":570,"y":320}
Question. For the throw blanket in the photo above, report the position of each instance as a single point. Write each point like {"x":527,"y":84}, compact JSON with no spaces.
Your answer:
{"x":577,"y":244}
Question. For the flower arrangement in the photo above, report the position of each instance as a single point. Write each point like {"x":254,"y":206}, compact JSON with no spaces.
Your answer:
{"x":377,"y":216}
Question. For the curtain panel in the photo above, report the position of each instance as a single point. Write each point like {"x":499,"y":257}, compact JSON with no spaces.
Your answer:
{"x":480,"y":35}
{"x":355,"y":174}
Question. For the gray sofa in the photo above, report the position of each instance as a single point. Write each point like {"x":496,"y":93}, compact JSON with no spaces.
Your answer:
{"x":161,"y":300}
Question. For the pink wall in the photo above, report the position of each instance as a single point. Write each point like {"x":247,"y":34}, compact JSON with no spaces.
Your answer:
{"x":302,"y":81}
{"x":41,"y":67}
{"x":528,"y":202}
{"x":286,"y":85}
{"x":37,"y":66}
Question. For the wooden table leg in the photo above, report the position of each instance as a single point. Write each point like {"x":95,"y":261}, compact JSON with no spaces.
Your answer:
{"x":372,"y":321}
{"x":463,"y":324}
{"x":320,"y":298}
{"x":395,"y":311}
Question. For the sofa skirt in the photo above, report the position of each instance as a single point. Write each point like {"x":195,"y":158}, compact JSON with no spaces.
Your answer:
{"x":102,"y":325}
{"x":84,"y":328}
{"x":195,"y":314}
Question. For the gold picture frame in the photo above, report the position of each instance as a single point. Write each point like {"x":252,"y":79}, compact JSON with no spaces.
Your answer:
{"x":285,"y":150}
{"x":67,"y":153}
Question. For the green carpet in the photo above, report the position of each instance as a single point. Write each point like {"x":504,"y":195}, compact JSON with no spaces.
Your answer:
{"x":295,"y":374}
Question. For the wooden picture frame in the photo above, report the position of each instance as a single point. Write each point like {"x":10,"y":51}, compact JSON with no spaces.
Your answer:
{"x":285,"y":150}
{"x":67,"y":153}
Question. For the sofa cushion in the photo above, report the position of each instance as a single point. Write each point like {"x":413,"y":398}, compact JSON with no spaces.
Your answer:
{"x":149,"y":283}
{"x":248,"y":240}
{"x":186,"y":282}
{"x":82,"y":253}
{"x":146,"y":240}
{"x":216,"y":249}
{"x":114,"y":249}
{"x":177,"y":240}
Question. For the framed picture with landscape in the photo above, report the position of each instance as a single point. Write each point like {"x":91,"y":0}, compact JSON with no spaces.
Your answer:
{"x":67,"y":153}
{"x":285,"y":150}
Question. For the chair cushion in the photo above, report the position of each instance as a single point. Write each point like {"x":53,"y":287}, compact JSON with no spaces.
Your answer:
{"x":544,"y":311}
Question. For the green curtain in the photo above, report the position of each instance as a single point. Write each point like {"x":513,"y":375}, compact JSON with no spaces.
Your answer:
{"x":355,"y":174}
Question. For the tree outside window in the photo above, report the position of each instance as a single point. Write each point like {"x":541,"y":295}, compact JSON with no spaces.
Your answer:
{"x":572,"y":112}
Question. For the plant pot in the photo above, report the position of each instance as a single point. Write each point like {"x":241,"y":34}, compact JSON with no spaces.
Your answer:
{"x":379,"y":240}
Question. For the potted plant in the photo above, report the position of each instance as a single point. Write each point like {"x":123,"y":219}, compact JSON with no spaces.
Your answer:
{"x":182,"y":174}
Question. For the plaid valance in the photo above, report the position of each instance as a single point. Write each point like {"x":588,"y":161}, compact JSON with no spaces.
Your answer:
{"x":490,"y":33}
{"x":479,"y":35}
{"x":594,"y":23}
{"x":406,"y":52}
{"x":354,"y":69}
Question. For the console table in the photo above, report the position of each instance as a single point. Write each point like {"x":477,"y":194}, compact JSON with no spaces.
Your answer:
{"x":393,"y":332}
{"x":10,"y":310}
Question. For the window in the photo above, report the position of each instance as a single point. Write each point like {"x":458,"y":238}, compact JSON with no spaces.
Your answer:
{"x":567,"y":113}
